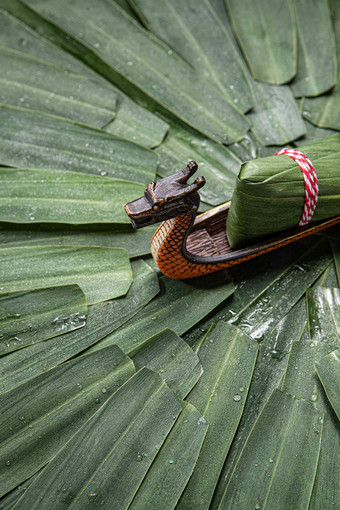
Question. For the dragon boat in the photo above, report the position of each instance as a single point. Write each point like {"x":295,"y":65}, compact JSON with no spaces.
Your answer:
{"x":187,"y":245}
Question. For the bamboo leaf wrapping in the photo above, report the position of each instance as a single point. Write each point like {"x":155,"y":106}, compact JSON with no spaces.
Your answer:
{"x":269,"y":193}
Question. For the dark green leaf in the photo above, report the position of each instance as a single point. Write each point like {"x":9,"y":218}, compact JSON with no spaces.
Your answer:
{"x":170,"y":471}
{"x":41,"y":415}
{"x":32,"y":83}
{"x":17,"y":36}
{"x":313,"y":134}
{"x":63,"y":197}
{"x":323,"y":111}
{"x":180,"y":307}
{"x":328,"y":278}
{"x":228,"y":357}
{"x":101,"y":273}
{"x":276,"y":119}
{"x":125,"y":5}
{"x":336,"y":253}
{"x":135,"y":60}
{"x":316,"y":73}
{"x":325,"y":493}
{"x":8,"y":501}
{"x":278,"y":463}
{"x":267,"y":35}
{"x":195,"y":31}
{"x":30,"y":317}
{"x":119,"y":443}
{"x":220,"y":9}
{"x":246,"y":148}
{"x":136,"y":242}
{"x":253,"y":280}
{"x":167,"y":354}
{"x":137,"y":124}
{"x":323,"y":305}
{"x":268,"y":372}
{"x":132,"y":121}
{"x":301,"y":380}
{"x":102,"y":319}
{"x":275,"y":301}
{"x":328,"y":370}
{"x":250,"y":148}
{"x":36,"y":140}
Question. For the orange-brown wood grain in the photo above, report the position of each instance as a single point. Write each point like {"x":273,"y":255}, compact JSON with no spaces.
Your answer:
{"x":169,"y":251}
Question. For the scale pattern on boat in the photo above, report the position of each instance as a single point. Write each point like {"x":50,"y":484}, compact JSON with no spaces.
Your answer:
{"x":166,"y":249}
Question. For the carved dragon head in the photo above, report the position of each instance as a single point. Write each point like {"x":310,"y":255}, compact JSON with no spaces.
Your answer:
{"x":166,"y":198}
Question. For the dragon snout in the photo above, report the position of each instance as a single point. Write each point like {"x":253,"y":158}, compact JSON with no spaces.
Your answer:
{"x":140,"y":213}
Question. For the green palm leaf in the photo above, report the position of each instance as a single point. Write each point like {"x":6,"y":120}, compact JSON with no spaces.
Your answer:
{"x":302,"y":360}
{"x":275,"y":118}
{"x":132,"y":121}
{"x":228,"y":358}
{"x":136,"y":242}
{"x":270,"y":306}
{"x":323,"y":306}
{"x":268,"y":372}
{"x":313,"y":134}
{"x":323,"y":111}
{"x":35,"y":84}
{"x":173,"y":303}
{"x":326,"y":487}
{"x":181,"y":448}
{"x":167,"y":354}
{"x":336,"y":253}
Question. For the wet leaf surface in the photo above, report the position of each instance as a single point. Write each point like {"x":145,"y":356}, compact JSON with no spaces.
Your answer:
{"x":30,"y":317}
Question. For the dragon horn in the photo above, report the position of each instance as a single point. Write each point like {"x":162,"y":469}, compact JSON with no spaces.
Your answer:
{"x":190,"y":169}
{"x":195,"y":186}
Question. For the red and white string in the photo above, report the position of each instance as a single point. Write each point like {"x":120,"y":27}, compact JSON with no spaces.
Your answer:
{"x":310,"y":181}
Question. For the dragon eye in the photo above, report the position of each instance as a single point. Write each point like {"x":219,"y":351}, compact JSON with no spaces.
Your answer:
{"x":155,"y":207}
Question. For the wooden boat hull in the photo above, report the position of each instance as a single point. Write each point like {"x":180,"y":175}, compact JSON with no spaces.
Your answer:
{"x":207,"y":241}
{"x":186,"y":245}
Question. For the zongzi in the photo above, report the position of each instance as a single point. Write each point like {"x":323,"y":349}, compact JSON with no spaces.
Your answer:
{"x":270,"y":192}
